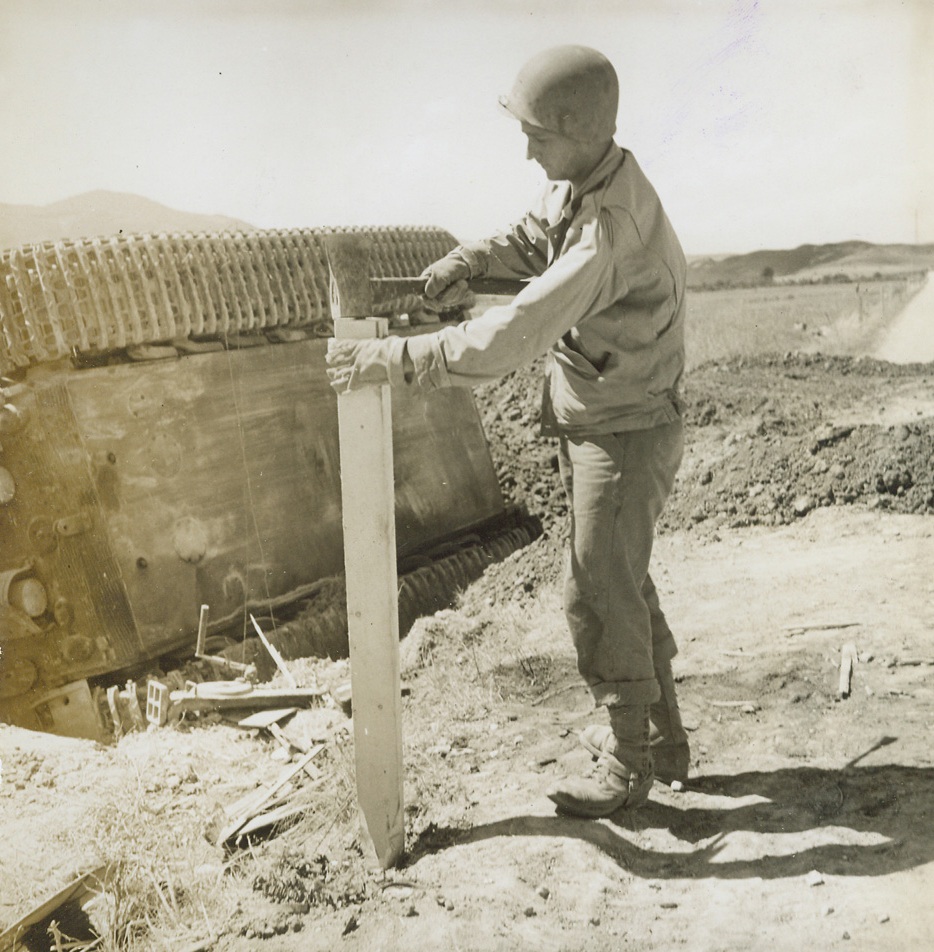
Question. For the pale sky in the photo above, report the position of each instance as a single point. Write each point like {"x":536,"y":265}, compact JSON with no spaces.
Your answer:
{"x":762,"y":124}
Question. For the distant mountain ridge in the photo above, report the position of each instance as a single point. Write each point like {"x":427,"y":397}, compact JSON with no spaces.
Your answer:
{"x":857,"y":260}
{"x":102,"y":214}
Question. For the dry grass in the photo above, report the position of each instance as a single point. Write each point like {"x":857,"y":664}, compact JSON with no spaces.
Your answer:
{"x":157,"y":895}
{"x":831,"y":318}
{"x":472,"y":660}
{"x":170,"y":888}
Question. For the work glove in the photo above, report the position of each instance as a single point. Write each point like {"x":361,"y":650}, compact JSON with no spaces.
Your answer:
{"x":353,"y":364}
{"x":446,"y":281}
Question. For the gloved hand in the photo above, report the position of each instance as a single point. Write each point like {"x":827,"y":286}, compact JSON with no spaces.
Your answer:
{"x":446,"y":281}
{"x":353,"y":364}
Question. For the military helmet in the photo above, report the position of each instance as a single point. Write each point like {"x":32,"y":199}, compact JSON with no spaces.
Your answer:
{"x":571,"y":90}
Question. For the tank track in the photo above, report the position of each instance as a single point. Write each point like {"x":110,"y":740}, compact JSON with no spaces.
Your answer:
{"x":426,"y":585}
{"x":96,"y":296}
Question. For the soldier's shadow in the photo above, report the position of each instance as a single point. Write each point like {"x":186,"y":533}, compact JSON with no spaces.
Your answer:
{"x":857,"y":821}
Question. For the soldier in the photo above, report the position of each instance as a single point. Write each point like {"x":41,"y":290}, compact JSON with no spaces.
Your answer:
{"x":606,"y":303}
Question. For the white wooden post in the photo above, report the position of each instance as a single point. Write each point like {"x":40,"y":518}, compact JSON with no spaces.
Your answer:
{"x":368,"y":502}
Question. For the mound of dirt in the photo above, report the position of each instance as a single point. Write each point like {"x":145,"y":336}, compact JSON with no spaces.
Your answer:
{"x":766,"y":445}
{"x":768,"y":439}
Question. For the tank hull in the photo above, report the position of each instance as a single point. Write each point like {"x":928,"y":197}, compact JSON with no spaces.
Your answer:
{"x":144,"y":490}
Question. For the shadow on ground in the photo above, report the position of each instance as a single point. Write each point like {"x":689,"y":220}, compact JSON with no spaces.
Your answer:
{"x":885,"y":804}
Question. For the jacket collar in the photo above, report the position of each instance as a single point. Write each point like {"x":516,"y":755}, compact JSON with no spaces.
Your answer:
{"x":564,"y":198}
{"x":612,"y":159}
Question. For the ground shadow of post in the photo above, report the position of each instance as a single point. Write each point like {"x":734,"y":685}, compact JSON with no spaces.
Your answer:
{"x":890,"y":801}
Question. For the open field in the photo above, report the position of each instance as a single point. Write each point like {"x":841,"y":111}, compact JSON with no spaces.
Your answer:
{"x":834,"y":318}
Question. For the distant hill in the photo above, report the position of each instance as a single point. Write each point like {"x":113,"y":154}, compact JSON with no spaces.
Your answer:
{"x":102,"y":213}
{"x":855,"y":260}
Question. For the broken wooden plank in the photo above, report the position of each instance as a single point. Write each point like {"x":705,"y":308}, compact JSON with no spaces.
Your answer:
{"x":830,"y":626}
{"x":269,"y":721}
{"x":202,"y":699}
{"x":847,"y":663}
{"x":274,"y":654}
{"x":232,"y":810}
{"x":256,"y":802}
{"x":275,"y":817}
{"x":245,"y":670}
{"x":202,"y":631}
{"x":287,"y":743}
{"x":85,"y":884}
{"x":263,"y":719}
{"x":368,"y":516}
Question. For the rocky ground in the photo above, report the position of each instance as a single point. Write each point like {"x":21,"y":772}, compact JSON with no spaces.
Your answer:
{"x":800,"y":524}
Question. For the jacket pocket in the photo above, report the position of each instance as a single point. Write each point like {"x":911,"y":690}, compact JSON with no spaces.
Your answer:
{"x":575,"y":361}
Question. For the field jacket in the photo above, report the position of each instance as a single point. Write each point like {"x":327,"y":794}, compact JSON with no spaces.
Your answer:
{"x":605,"y":302}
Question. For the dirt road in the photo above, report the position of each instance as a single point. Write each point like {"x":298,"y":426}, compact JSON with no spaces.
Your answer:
{"x":911,"y":337}
{"x":806,"y":825}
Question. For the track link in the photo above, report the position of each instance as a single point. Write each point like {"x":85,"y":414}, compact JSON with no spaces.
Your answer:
{"x":99,"y":295}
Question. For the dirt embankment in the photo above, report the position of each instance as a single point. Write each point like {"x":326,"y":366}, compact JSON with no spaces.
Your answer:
{"x":768,"y":440}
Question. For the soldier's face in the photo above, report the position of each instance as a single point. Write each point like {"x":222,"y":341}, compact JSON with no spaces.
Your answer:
{"x":561,"y":158}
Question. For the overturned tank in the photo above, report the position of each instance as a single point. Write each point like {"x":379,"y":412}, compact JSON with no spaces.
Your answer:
{"x":168,"y":439}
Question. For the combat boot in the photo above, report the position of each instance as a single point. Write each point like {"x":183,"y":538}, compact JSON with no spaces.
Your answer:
{"x":623,"y":775}
{"x":671,"y":753}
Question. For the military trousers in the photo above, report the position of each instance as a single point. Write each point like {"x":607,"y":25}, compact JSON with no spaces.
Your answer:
{"x":617,"y":485}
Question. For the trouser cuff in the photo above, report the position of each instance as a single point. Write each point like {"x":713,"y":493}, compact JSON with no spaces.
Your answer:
{"x":625,"y":693}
